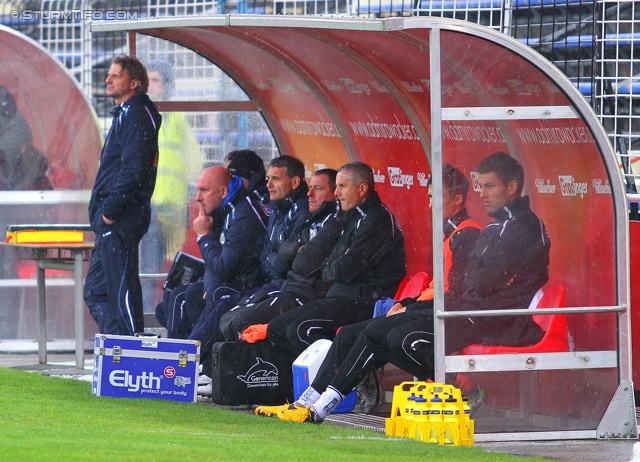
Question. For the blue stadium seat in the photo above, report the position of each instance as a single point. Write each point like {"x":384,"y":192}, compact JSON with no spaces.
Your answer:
{"x":444,"y":5}
{"x":624,"y":39}
{"x":628,"y":88}
{"x":526,"y":3}
{"x":574,"y":42}
{"x":585,"y":88}
{"x":6,"y":20}
{"x":381,"y":6}
{"x":587,"y":41}
{"x":530,"y":41}
{"x":209,"y":138}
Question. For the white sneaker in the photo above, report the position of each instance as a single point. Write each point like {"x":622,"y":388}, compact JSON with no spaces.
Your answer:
{"x":204,"y":380}
{"x":205,"y":390}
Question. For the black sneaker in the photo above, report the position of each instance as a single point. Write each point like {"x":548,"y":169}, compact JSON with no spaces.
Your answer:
{"x":476,"y":399}
{"x":369,"y":394}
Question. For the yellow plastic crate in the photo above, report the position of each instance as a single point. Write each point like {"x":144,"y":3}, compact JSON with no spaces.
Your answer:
{"x":430,"y":412}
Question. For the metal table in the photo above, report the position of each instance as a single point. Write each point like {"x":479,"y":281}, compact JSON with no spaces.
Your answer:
{"x":67,"y":257}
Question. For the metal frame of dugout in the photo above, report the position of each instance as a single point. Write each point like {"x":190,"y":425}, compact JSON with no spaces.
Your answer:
{"x":408,"y":95}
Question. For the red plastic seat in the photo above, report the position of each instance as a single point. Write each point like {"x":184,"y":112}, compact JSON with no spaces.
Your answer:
{"x":409,"y":288}
{"x":401,"y":287}
{"x":414,"y":286}
{"x":556,"y":337}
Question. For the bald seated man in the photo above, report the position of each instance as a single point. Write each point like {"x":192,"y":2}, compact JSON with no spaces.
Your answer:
{"x":231,"y":230}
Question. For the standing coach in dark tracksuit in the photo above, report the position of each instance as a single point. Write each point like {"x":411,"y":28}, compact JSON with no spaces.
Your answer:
{"x":119,"y":209}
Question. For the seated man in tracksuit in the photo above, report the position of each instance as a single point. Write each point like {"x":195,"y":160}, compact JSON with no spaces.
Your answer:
{"x":248,"y":165}
{"x":231,"y":229}
{"x":304,"y":253}
{"x":349,"y":359}
{"x":289,"y":202}
{"x":367,"y":263}
{"x":509,"y":264}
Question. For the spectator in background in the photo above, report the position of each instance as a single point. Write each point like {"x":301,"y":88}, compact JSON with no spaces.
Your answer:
{"x":22,"y":165}
{"x":179,"y":163}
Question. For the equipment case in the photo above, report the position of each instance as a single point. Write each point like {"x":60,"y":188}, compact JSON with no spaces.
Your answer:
{"x":250,"y":373}
{"x":146,"y":367}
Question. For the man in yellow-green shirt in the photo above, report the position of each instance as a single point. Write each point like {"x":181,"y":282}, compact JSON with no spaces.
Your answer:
{"x":180,"y":161}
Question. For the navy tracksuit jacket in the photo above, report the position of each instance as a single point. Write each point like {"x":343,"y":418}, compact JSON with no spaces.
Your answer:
{"x":122,"y":192}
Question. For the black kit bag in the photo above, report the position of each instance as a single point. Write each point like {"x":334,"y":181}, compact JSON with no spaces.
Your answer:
{"x":250,"y":373}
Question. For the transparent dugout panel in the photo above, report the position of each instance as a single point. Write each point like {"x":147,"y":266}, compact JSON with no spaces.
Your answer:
{"x":568,"y":188}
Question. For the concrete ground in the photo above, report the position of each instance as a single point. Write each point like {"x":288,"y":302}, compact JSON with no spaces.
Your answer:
{"x":567,"y":451}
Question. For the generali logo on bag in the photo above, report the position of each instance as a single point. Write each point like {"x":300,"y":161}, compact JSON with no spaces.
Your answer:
{"x":261,"y":374}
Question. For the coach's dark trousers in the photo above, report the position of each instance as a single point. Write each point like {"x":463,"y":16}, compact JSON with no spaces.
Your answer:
{"x":112,"y":288}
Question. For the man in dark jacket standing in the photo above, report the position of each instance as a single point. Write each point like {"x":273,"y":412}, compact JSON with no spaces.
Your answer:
{"x":367,"y":263}
{"x":120,"y":205}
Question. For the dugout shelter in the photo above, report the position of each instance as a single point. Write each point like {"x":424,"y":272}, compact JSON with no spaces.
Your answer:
{"x":408,"y":95}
